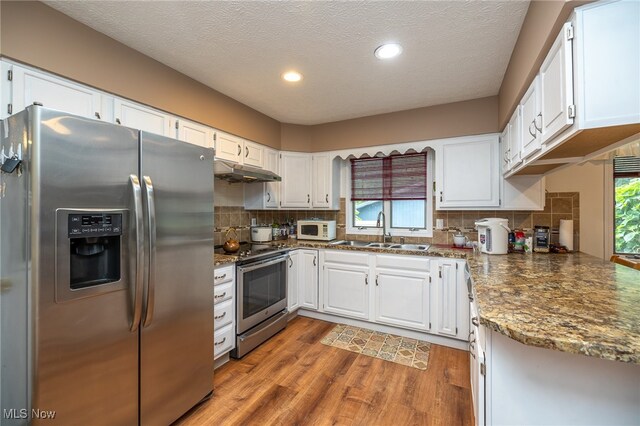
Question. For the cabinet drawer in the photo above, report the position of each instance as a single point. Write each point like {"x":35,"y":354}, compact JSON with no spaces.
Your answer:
{"x":415,"y":263}
{"x":223,"y":340}
{"x":222,"y":292}
{"x":222,"y":314}
{"x":223,"y":275}
{"x":344,"y":256}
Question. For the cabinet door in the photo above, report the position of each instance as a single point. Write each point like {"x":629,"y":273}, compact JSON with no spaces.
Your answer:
{"x":530,"y":104}
{"x":143,"y":118}
{"x":469,"y":173}
{"x":308,"y":284}
{"x":272,"y":189}
{"x":253,"y":154}
{"x":321,"y":181}
{"x":402,"y":298}
{"x":447,"y":299}
{"x":52,"y":92}
{"x":229,"y":147}
{"x":295,"y":189}
{"x":346,"y":290}
{"x":293,"y":302}
{"x":556,"y":86}
{"x":515,"y":138}
{"x":195,"y":133}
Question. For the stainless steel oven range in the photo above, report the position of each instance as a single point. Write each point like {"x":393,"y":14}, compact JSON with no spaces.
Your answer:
{"x":261,"y":287}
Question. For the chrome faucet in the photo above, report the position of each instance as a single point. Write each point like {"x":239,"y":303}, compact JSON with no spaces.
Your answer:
{"x":386,"y":236}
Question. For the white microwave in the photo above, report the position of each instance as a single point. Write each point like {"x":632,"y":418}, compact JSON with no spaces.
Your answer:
{"x":323,"y":230}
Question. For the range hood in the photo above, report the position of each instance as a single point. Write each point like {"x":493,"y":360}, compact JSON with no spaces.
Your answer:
{"x":235,"y":173}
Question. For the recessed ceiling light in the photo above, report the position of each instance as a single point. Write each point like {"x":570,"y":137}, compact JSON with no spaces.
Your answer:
{"x":292,"y":76}
{"x":388,"y":51}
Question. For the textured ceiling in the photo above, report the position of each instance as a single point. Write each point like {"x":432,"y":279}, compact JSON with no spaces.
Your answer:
{"x":453,"y":50}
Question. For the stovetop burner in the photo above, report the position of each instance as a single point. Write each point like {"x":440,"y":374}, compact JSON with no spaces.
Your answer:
{"x":250,"y":251}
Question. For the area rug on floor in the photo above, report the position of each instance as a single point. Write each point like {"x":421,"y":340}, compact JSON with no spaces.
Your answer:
{"x":401,"y":350}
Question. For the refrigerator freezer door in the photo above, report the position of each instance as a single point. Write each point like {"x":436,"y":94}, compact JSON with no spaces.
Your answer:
{"x":176,"y":354}
{"x":85,"y":356}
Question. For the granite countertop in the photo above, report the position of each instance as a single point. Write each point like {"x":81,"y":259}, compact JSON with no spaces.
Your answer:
{"x":574,"y":303}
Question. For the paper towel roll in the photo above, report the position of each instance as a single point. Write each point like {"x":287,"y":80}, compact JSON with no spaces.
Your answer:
{"x":566,"y":234}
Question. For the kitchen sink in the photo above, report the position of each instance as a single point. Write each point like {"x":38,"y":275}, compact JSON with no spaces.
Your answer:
{"x":421,"y":247}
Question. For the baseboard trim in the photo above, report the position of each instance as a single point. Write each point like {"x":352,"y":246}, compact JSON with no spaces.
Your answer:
{"x":438,"y":340}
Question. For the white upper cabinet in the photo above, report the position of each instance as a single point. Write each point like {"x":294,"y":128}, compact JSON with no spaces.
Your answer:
{"x":253,"y":154}
{"x":237,"y":150}
{"x":295,"y":189}
{"x":325,"y":177}
{"x":31,"y":86}
{"x":136,"y":116}
{"x":607,"y":40}
{"x":556,"y":86}
{"x":530,"y":104}
{"x":259,"y":196}
{"x":194,"y":133}
{"x":514,"y":148}
{"x":468,"y":173}
{"x":228,"y":147}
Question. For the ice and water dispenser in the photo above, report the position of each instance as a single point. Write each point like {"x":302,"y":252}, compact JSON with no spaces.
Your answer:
{"x":94,"y":249}
{"x":89,"y":252}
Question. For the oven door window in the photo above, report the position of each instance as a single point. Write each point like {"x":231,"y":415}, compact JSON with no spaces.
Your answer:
{"x":263,"y":287}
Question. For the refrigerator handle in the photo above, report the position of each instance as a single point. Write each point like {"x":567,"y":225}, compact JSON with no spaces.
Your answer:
{"x":150,"y":276}
{"x":139,"y":229}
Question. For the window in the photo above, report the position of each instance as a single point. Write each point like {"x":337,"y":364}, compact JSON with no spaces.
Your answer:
{"x":396,"y":185}
{"x":626,"y":183}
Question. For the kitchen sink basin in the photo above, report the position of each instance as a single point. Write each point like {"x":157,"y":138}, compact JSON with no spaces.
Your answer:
{"x":410,"y":246}
{"x":350,"y":243}
{"x":380,"y":245}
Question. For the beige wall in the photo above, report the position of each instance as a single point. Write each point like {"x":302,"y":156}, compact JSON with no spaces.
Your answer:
{"x":540,"y":27}
{"x":587,"y":179}
{"x":456,"y":119}
{"x":295,"y":137}
{"x":36,"y":34}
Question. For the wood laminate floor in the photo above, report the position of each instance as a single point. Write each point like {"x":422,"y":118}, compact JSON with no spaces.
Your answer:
{"x":293,"y":379}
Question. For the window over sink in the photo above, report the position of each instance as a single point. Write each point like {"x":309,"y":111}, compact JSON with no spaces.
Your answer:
{"x":399,"y":186}
{"x":626,"y":181}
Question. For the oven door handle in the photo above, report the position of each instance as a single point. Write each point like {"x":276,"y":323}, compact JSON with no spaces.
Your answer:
{"x":254,"y":266}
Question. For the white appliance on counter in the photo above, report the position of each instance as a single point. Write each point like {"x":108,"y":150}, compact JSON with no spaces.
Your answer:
{"x":316,"y":229}
{"x":493,"y":235}
{"x":261,"y":233}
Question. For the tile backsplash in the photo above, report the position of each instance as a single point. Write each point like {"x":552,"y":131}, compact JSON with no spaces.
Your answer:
{"x":558,"y":205}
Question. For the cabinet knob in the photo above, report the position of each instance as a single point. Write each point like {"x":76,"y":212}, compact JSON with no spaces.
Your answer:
{"x":118,"y":121}
{"x":475,"y":321}
{"x":268,"y":197}
{"x":314,"y":261}
{"x":220,"y":342}
{"x":440,"y":196}
{"x":326,"y":198}
{"x":376,"y":281}
{"x":239,"y":150}
{"x":97,"y":114}
{"x":366,"y":279}
{"x":290,"y":263}
{"x":220,"y":316}
{"x":308,"y":198}
{"x":219,"y":277}
{"x":532,"y":132}
{"x":246,"y":151}
{"x":218,"y":296}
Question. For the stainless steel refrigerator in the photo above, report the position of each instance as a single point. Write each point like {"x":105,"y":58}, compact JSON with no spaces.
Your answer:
{"x":106,"y":272}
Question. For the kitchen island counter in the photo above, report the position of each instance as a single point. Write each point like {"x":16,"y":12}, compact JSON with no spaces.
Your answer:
{"x":574,"y":303}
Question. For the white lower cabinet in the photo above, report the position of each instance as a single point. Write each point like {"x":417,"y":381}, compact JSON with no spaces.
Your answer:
{"x":293,"y":273}
{"x":402,"y":291}
{"x":346,"y":290}
{"x":308,"y":279}
{"x":397,"y":290}
{"x":452,"y":313}
{"x":224,"y":312}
